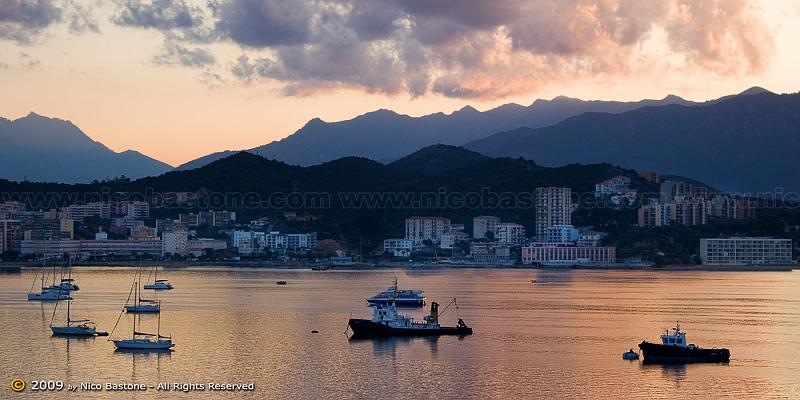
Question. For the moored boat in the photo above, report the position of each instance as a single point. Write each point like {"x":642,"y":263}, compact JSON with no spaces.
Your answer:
{"x":143,"y":340}
{"x":401,"y":298}
{"x":159,"y":284}
{"x":387,"y":322}
{"x":675,"y":349}
{"x":74,"y":327}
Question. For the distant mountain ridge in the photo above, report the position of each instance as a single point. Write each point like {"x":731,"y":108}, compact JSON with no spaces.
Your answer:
{"x":746,"y":143}
{"x":387,"y":135}
{"x":39,"y":148}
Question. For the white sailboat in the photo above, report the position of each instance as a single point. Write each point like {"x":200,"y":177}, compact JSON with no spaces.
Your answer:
{"x":141,"y":305}
{"x":46,"y":293}
{"x":74,"y":327}
{"x":67,"y":284}
{"x":158,"y":284}
{"x":143,"y":340}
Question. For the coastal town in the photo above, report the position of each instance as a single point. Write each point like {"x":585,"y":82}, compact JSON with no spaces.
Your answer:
{"x":130,"y":229}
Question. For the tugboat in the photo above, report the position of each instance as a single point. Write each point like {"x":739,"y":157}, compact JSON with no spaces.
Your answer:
{"x":401,"y":298}
{"x":674,"y":349}
{"x":386,"y":322}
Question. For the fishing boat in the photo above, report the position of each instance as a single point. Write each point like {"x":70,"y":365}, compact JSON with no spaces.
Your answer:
{"x":74,"y":327}
{"x":158,"y":284}
{"x":401,"y":298}
{"x":387,"y":322}
{"x":675,"y":349}
{"x":143,"y":340}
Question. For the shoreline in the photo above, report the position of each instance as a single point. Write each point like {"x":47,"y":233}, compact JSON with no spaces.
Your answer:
{"x":17,"y":266}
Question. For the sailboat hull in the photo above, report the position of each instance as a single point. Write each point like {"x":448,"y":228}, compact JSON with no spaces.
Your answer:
{"x":73,"y":331}
{"x":143,"y":344}
{"x":140,"y":309}
{"x":48,"y":296}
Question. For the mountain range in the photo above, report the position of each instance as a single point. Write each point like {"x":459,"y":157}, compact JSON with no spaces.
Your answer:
{"x":741,"y":142}
{"x":38,"y":148}
{"x":385,"y":135}
{"x":747,"y":143}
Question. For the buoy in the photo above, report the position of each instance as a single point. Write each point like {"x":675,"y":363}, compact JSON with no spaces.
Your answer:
{"x":314,"y":331}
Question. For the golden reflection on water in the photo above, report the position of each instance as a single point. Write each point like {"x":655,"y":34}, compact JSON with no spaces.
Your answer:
{"x":561,"y":337}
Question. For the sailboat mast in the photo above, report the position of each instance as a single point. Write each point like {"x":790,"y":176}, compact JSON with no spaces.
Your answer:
{"x":68,"y":311}
{"x":158,"y":326}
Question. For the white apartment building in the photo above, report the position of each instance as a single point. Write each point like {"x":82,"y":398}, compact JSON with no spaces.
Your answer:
{"x":420,"y":229}
{"x":509,"y":233}
{"x":175,"y":243}
{"x":746,"y":251}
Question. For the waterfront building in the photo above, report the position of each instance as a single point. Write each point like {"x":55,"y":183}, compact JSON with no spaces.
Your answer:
{"x":589,"y":238}
{"x":567,"y":254}
{"x":561,"y":234}
{"x":301,"y":241}
{"x":746,"y":251}
{"x":198,"y":246}
{"x":653,"y":214}
{"x":175,"y":243}
{"x":420,"y":229}
{"x":448,"y":240}
{"x":509,"y":233}
{"x":688,"y":211}
{"x":482,"y":225}
{"x":553,"y":207}
{"x":490,"y":253}
{"x":91,"y":248}
{"x":398,"y":247}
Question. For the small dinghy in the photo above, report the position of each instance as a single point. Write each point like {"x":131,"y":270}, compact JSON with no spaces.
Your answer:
{"x":630,"y":355}
{"x":281,"y":283}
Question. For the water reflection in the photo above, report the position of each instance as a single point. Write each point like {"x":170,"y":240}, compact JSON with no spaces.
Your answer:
{"x":387,"y":347}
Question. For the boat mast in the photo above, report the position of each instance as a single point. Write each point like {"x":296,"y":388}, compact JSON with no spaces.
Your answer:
{"x":158,"y":326}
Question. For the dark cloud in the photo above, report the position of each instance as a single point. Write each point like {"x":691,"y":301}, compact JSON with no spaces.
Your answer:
{"x":81,"y":19}
{"x":24,"y":20}
{"x":265,"y":23}
{"x":176,"y":17}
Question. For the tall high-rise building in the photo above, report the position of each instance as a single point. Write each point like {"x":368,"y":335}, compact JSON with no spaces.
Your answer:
{"x":553,"y":207}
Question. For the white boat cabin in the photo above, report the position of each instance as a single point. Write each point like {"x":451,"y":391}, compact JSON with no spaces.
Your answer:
{"x":677,"y":338}
{"x":386,"y":314}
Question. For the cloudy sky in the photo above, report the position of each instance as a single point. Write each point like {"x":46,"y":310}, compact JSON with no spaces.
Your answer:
{"x":178,"y":79}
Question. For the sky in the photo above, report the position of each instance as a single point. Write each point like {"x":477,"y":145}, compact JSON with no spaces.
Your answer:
{"x":179,"y":79}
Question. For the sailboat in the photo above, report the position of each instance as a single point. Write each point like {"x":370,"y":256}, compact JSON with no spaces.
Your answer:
{"x":145,"y":341}
{"x":74,"y":327}
{"x":67,"y":284}
{"x":140,"y":305}
{"x":158,"y":284}
{"x":46,"y":293}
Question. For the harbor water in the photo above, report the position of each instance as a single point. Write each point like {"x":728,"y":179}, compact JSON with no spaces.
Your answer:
{"x":560,"y":338}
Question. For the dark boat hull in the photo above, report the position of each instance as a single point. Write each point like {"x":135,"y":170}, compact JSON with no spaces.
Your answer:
{"x":364,"y":328}
{"x":658,"y":353}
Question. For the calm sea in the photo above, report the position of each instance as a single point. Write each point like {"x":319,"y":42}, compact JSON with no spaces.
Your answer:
{"x":560,"y":339}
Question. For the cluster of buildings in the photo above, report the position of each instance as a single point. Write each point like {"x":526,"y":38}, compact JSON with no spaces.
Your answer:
{"x":125,"y":229}
{"x":248,"y":242}
{"x":683,"y":203}
{"x":492,"y":241}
